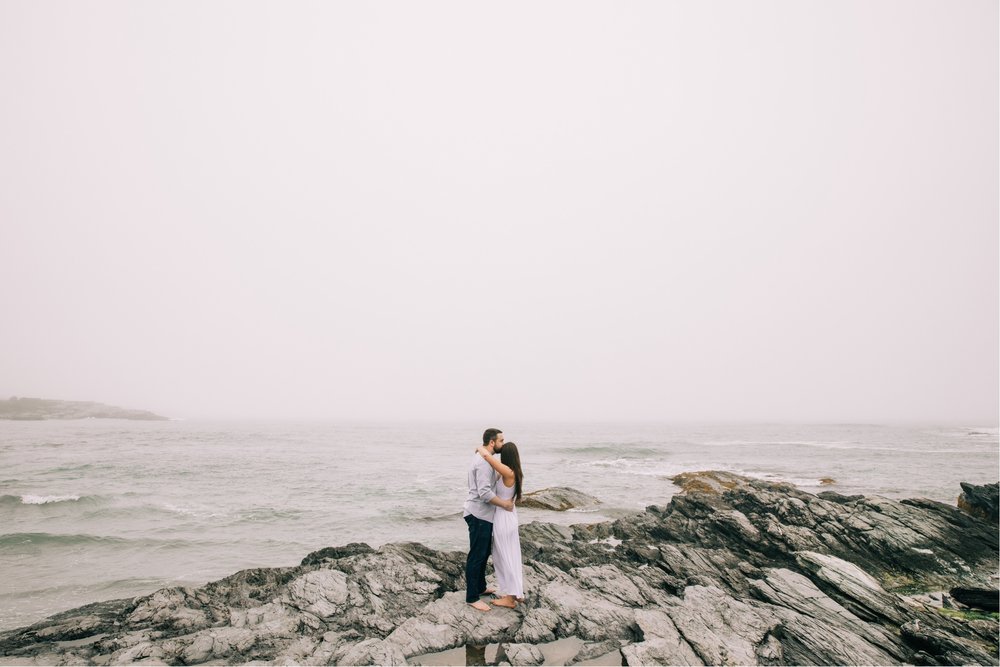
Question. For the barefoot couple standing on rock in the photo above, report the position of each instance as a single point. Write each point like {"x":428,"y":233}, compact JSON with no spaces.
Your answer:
{"x":494,"y":484}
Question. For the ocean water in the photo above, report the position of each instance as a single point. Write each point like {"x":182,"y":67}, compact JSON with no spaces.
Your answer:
{"x":99,"y":509}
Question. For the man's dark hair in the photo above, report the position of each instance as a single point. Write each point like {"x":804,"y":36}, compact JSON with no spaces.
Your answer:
{"x":490,"y":434}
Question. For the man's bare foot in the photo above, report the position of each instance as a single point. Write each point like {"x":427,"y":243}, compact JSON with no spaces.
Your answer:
{"x":480,"y":605}
{"x":506,"y":601}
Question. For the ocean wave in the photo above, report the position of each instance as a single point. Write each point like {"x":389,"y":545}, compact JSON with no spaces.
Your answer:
{"x":608,"y":463}
{"x":131,"y":583}
{"x":836,"y":444}
{"x":432,"y":518}
{"x":31,"y":499}
{"x":12,"y":541}
{"x":78,"y":468}
{"x":633,"y":467}
{"x":267,"y":514}
{"x":636,"y":449}
{"x":198,"y":513}
{"x":45,"y":500}
{"x":234,"y":515}
{"x":18,"y":539}
{"x":903,"y":449}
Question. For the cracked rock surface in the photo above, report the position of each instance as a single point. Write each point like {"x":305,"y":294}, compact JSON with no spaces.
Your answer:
{"x":734,"y":571}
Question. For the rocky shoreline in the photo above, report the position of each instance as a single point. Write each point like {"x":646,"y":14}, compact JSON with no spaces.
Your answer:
{"x":733,"y":571}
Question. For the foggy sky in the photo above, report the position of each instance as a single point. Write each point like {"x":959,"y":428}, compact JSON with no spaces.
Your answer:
{"x":503,"y":211}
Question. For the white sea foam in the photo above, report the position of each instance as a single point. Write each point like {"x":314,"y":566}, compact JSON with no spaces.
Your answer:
{"x":779,"y":443}
{"x":43,"y":500}
{"x":842,"y":445}
{"x":187,"y":511}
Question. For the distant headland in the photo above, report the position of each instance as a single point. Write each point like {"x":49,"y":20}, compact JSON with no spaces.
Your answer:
{"x":36,"y":409}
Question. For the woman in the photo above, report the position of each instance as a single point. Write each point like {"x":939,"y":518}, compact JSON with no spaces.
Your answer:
{"x":506,"y":542}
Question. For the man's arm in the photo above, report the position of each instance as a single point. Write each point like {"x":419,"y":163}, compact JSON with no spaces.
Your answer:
{"x":484,"y":489}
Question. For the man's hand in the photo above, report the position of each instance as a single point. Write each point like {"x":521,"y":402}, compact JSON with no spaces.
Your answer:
{"x":508,"y":505}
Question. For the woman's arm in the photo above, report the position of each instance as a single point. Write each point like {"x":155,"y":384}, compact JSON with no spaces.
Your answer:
{"x":504,"y":471}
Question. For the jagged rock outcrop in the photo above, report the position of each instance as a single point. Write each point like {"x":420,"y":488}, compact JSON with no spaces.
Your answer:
{"x":977,"y":598}
{"x":980,"y":500}
{"x":734,"y":571}
{"x":557,"y":498}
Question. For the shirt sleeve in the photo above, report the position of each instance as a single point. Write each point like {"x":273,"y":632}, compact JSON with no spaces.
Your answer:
{"x":484,"y":483}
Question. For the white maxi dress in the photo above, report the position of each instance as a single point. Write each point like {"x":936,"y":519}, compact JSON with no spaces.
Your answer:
{"x":507,"y":547}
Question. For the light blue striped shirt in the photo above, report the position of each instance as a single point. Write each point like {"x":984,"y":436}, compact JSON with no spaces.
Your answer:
{"x":482,"y":480}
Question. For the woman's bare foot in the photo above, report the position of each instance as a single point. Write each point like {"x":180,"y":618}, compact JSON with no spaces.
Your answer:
{"x":480,"y":605}
{"x":488,"y":591}
{"x":505,"y":601}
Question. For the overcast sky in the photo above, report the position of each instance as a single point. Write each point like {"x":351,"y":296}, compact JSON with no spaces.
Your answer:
{"x":519,"y":210}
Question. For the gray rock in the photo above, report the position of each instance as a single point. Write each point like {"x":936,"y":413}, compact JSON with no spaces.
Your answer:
{"x":591,"y":650}
{"x":980,"y":500}
{"x":557,"y":498}
{"x":987,"y":599}
{"x":538,"y":626}
{"x":320,"y":592}
{"x":372,"y":652}
{"x":945,"y":648}
{"x":520,"y":654}
{"x":662,"y":642}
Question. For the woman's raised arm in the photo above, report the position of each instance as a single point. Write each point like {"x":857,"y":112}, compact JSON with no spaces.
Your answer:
{"x":504,"y":471}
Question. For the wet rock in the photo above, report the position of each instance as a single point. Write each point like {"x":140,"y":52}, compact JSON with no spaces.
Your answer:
{"x":538,"y":626}
{"x":933,"y":599}
{"x":320,"y":592}
{"x":660,"y":642}
{"x":833,"y":496}
{"x":557,"y":498}
{"x":520,"y":654}
{"x":336,"y":553}
{"x":75,"y":624}
{"x":980,"y":500}
{"x":977,"y":598}
{"x":708,"y":481}
{"x":372,"y":652}
{"x":940,"y":647}
{"x":591,"y":650}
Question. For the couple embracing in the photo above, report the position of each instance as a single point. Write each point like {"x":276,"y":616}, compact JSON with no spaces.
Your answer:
{"x":494,"y":487}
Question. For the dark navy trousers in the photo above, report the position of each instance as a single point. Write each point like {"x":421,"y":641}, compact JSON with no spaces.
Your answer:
{"x":480,"y":541}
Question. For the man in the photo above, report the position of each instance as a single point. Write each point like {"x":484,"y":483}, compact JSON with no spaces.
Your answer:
{"x":480,"y":505}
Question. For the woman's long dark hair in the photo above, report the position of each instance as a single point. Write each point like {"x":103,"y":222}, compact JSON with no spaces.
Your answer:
{"x":510,"y":458}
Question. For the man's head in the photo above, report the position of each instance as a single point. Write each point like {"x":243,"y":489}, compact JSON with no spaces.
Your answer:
{"x":493,"y":439}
